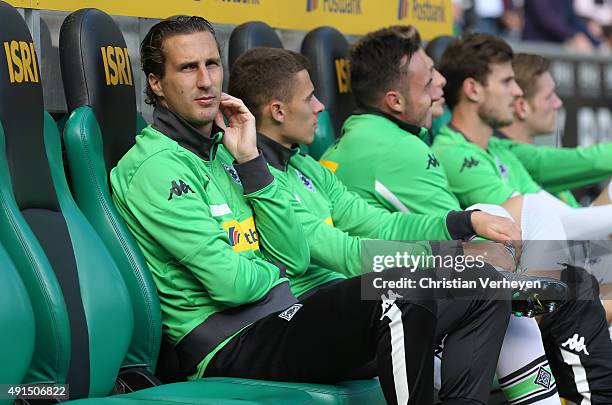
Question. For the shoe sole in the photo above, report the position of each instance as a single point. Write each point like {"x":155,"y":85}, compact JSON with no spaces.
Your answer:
{"x":531,"y":302}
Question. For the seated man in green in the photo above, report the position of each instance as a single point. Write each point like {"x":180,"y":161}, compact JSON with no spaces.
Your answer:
{"x":275,"y":85}
{"x":383,"y":157}
{"x":481,"y":92}
{"x":221,"y":238}
{"x":558,"y":170}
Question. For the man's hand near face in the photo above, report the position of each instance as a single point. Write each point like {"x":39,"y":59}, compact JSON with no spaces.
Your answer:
{"x":240,"y":134}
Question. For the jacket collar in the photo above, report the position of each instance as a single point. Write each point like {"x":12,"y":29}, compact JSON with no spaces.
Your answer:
{"x":413,"y":129}
{"x":176,"y":128}
{"x":499,"y":134}
{"x":275,"y":153}
{"x":496,"y":134}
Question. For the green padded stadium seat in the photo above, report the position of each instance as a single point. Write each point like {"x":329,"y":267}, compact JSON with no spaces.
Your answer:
{"x":358,"y":392}
{"x":79,"y":294}
{"x":16,"y":324}
{"x":327,"y":50}
{"x":88,"y":159}
{"x":258,"y":34}
{"x":253,"y":34}
{"x":324,"y":135}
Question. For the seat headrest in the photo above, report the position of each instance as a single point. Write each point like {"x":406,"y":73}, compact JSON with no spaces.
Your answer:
{"x":436,"y":47}
{"x":249,"y":35}
{"x":21,"y":113}
{"x":327,"y":49}
{"x":97,"y":72}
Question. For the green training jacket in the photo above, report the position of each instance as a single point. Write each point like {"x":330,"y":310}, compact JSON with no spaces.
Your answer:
{"x":209,"y":230}
{"x":476,"y":175}
{"x":388,"y":163}
{"x":336,"y":220}
{"x":561,"y":169}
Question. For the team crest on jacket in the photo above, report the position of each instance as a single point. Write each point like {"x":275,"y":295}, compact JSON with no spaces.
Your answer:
{"x":305,"y":181}
{"x":503,"y":170}
{"x":232,"y":172}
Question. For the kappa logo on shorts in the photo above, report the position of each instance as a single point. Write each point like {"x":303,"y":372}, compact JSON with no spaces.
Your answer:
{"x":432,"y":162}
{"x":388,"y":301}
{"x":232,"y":172}
{"x":468,"y":163}
{"x":178,"y":189}
{"x":576,"y":343}
{"x":305,"y":181}
{"x":543,"y":379}
{"x":288,"y":313}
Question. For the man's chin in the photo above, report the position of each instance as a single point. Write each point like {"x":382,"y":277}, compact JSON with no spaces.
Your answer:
{"x":500,"y":123}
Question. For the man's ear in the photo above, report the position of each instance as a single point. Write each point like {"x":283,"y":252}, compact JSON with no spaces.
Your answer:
{"x":472,"y":89}
{"x":394,"y":101}
{"x":155,"y":84}
{"x":521,"y":108}
{"x":277,"y":111}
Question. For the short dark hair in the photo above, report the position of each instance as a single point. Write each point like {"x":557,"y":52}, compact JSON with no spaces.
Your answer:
{"x":262,"y":74}
{"x":375,"y":62}
{"x":408,"y":30}
{"x":527,"y":69}
{"x":471,"y":56}
{"x":152,"y":55}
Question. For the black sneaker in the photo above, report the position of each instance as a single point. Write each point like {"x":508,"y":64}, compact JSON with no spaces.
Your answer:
{"x":530,"y":301}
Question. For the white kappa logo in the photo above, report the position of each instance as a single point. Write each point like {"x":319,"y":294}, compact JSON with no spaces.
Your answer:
{"x":388,"y":301}
{"x":288,"y":313}
{"x":576,"y":343}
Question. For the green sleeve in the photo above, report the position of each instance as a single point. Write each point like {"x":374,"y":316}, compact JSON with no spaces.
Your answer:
{"x":334,"y":249}
{"x":330,"y":248}
{"x":281,"y":234}
{"x":354,"y":215}
{"x":185,"y":227}
{"x":477,"y":182}
{"x":559,"y":169}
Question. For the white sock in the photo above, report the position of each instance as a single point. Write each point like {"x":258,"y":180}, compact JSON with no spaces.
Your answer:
{"x":521,"y":359}
{"x":522,"y":369}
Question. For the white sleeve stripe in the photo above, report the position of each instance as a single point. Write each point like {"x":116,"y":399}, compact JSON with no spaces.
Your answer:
{"x":390,"y":197}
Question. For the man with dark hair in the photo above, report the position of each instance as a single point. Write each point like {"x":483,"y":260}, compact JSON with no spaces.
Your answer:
{"x":336,"y":221}
{"x":382,"y":156}
{"x":481,"y":93}
{"x":220,"y":238}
